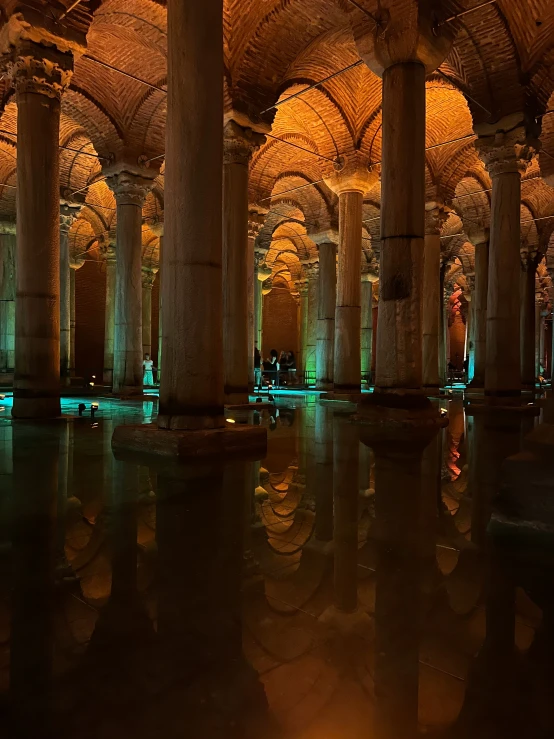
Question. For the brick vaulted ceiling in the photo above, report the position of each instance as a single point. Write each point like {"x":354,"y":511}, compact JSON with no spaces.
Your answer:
{"x":502,"y":62}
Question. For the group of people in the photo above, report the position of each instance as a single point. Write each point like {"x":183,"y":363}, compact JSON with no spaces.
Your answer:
{"x":278,"y":369}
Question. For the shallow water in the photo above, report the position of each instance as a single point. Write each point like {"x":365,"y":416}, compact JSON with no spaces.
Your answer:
{"x":327,"y":591}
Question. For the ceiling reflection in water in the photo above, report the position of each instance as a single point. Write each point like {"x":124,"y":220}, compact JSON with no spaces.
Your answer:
{"x":329,"y":590}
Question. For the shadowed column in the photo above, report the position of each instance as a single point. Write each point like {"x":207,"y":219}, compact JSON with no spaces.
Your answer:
{"x":109,"y":321}
{"x":506,"y":149}
{"x":39,"y":75}
{"x":130,"y":192}
{"x":7,"y":297}
{"x":325,"y":349}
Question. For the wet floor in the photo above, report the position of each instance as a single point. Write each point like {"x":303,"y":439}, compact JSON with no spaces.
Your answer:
{"x":330,"y":591}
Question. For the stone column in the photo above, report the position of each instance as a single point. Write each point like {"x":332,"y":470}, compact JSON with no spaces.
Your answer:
{"x":130,"y":191}
{"x":479,"y":305}
{"x":367,"y":327}
{"x":68,"y":213}
{"x":310,"y":347}
{"x":148,"y":276}
{"x":347,"y":369}
{"x":239,"y":145}
{"x":75,"y":263}
{"x":470,"y":335}
{"x":506,"y":150}
{"x":431,"y":302}
{"x":191,"y":392}
{"x":528,"y":321}
{"x":539,"y":330}
{"x":39,"y":75}
{"x":109,"y":321}
{"x":325,"y":349}
{"x":302,"y":303}
{"x":7,"y":298}
{"x":261,"y":273}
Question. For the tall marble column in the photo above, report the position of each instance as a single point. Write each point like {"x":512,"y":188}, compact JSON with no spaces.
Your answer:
{"x":302,"y":304}
{"x":68,"y":213}
{"x":130,"y":192}
{"x":261,"y":273}
{"x":479,"y":306}
{"x":75,"y":263}
{"x":109,"y":321}
{"x":435,"y":216}
{"x":350,"y":183}
{"x":148,"y":276}
{"x":470,"y":335}
{"x":311,"y":271}
{"x":325,"y":349}
{"x":367,"y":327}
{"x":39,"y":75}
{"x":191,"y":392}
{"x":528,"y":320}
{"x":403,"y":52}
{"x":7,"y":298}
{"x":539,"y":332}
{"x":157,"y":227}
{"x":238,"y":146}
{"x":506,"y":149}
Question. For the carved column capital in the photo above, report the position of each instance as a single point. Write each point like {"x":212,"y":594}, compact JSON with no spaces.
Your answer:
{"x":7,"y":228}
{"x":148,"y":277}
{"x":239,"y":144}
{"x":310,"y":270}
{"x":504,"y":152}
{"x":68,"y":214}
{"x":351,"y":174}
{"x":301,"y":287}
{"x":107,"y":250}
{"x":129,"y":188}
{"x":36,"y":68}
{"x":436,"y":215}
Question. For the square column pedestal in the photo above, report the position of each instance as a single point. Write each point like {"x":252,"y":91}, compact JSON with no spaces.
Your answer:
{"x":249,"y":442}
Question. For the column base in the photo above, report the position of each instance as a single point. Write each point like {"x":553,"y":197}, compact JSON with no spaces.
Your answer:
{"x":324,"y":385}
{"x":353,"y":397}
{"x":238,"y":398}
{"x":46,"y":407}
{"x":148,"y":439}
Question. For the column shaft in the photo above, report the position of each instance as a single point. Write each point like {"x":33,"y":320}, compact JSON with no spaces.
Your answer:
{"x":480,"y":313}
{"x":303,"y":329}
{"x":160,"y":311}
{"x":7,"y":302}
{"x":326,"y":316}
{"x":250,"y":288}
{"x":311,"y":327}
{"x":65,"y":303}
{"x":37,"y":312}
{"x":347,"y":369}
{"x":147,"y":318}
{"x":431,"y":308}
{"x":127,"y":374}
{"x":72,"y":321}
{"x":503,"y":369}
{"x":235,"y":280}
{"x":399,"y":339}
{"x":109,"y":321}
{"x":191,"y":393}
{"x":528,"y":325}
{"x":367,"y":330}
{"x":258,"y":306}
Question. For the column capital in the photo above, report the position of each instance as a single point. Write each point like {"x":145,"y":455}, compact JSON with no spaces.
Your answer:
{"x":478,"y":235}
{"x":301,"y":287}
{"x":408,"y":32}
{"x":130,"y":188}
{"x":330,"y":236}
{"x":255,"y":223}
{"x":310,"y":269}
{"x":264,"y":271}
{"x":148,"y":276}
{"x":507,"y":146}
{"x":68,"y":214}
{"x":239,"y":144}
{"x":36,"y":68}
{"x":107,"y":250}
{"x":368,"y":276}
{"x":7,"y":228}
{"x":436,"y":214}
{"x":529,"y":259}
{"x":156,"y":225}
{"x":351,"y":174}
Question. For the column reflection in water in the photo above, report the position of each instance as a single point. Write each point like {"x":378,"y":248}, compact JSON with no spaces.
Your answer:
{"x":200,"y":536}
{"x":323,"y":473}
{"x":33,"y":524}
{"x":406,"y":498}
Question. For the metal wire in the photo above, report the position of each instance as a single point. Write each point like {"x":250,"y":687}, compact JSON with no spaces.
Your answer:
{"x":465,"y":12}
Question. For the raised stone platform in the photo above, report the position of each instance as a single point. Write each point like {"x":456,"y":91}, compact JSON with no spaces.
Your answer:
{"x":234,"y":440}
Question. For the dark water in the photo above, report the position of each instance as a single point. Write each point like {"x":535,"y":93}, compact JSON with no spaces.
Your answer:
{"x":327,"y":592}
